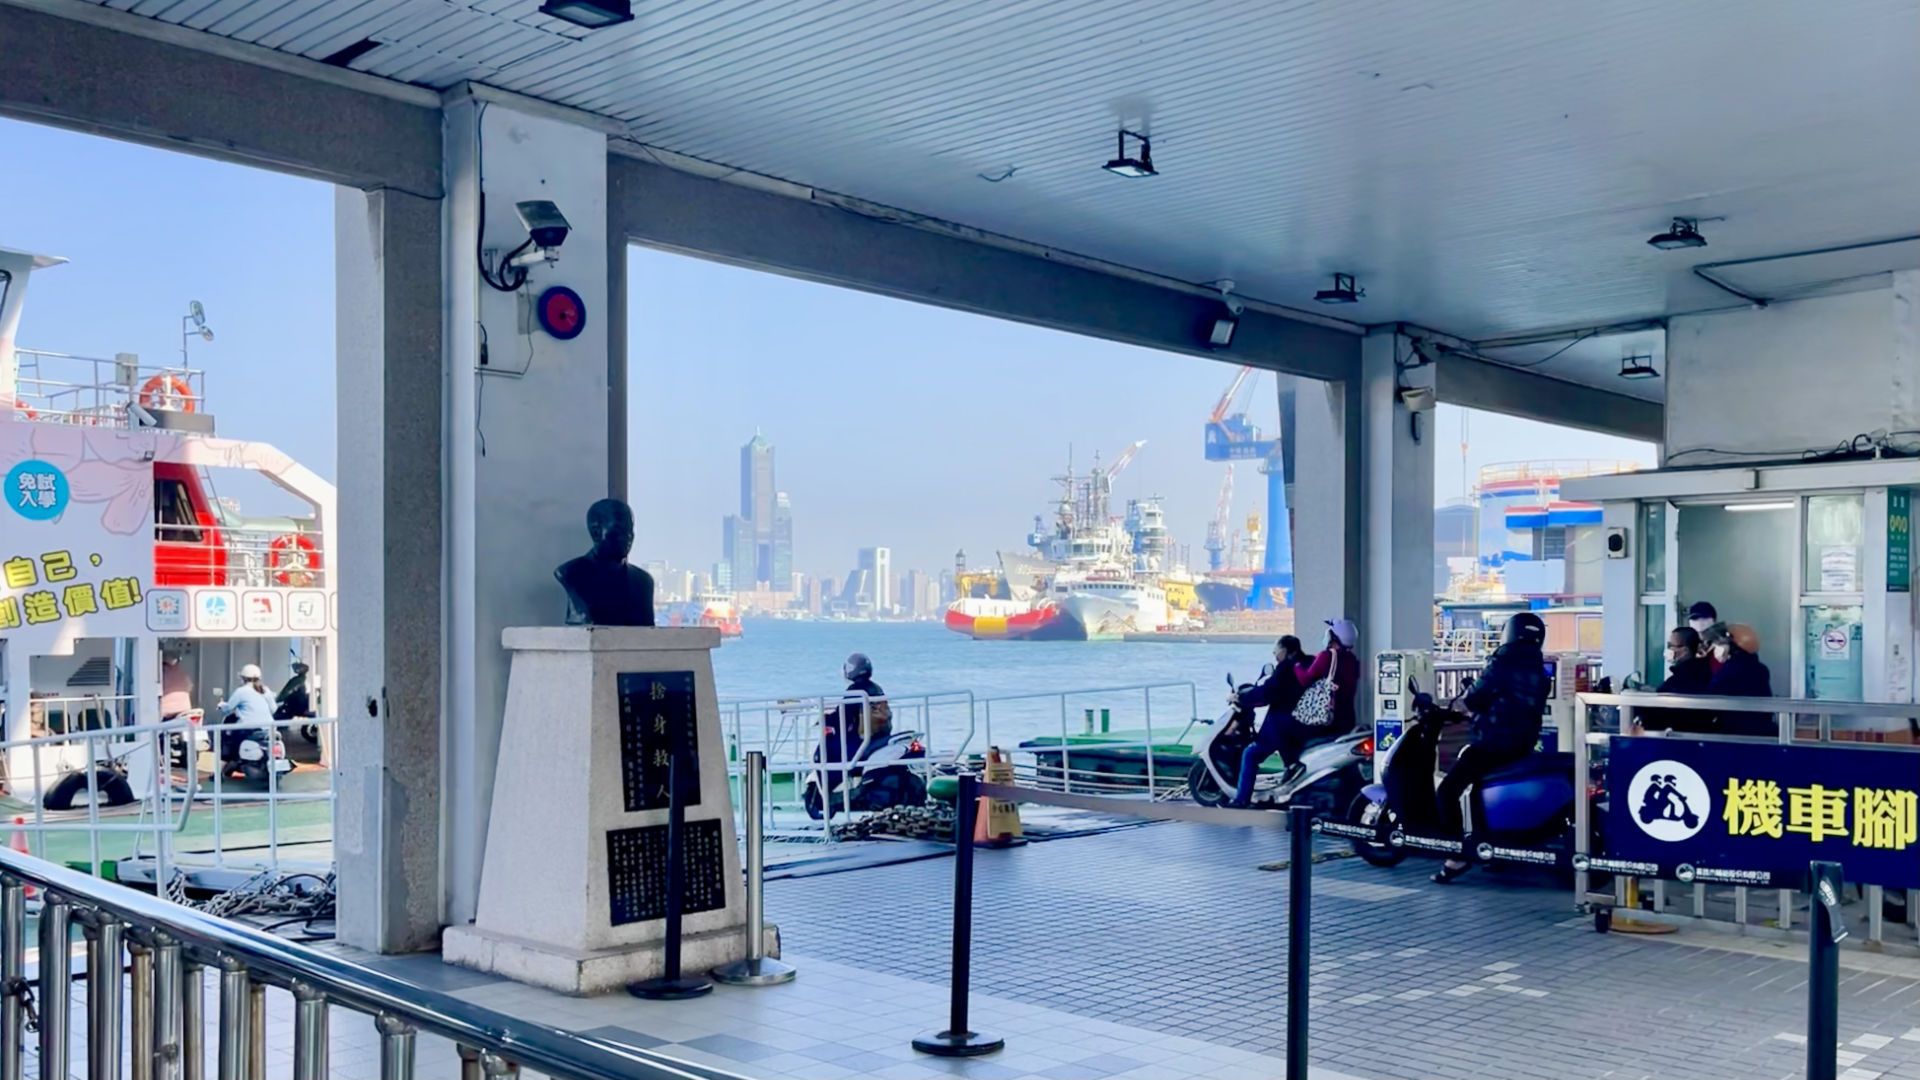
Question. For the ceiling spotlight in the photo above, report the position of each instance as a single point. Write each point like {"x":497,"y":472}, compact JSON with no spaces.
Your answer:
{"x":1685,"y":233}
{"x":1220,"y":335}
{"x":1343,"y":291}
{"x":592,"y":14}
{"x":1125,"y":165}
{"x":1638,"y":367}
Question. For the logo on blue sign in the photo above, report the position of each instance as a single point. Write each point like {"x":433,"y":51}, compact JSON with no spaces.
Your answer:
{"x":37,"y":490}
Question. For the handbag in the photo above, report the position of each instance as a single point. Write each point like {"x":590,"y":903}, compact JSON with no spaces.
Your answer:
{"x":1315,"y":708}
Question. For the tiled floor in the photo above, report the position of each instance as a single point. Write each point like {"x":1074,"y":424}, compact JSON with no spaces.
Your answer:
{"x":1159,"y":954}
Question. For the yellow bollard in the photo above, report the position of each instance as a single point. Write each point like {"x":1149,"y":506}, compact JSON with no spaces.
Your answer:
{"x":1626,"y":924}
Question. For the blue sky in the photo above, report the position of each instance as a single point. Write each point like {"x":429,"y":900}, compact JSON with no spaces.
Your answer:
{"x":918,"y":428}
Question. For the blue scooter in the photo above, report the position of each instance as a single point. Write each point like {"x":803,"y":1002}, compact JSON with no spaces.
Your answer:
{"x":1526,"y":805}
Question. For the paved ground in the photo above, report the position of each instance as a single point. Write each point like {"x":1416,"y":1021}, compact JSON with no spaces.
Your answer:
{"x":1173,"y":928}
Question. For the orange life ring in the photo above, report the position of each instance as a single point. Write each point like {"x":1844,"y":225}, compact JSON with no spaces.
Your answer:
{"x":293,"y":557}
{"x":167,"y":390}
{"x":20,"y":407}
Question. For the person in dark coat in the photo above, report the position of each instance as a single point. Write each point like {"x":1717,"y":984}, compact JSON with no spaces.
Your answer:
{"x":1740,"y":674}
{"x":1507,"y":703}
{"x":1278,"y":693}
{"x":1687,"y":673}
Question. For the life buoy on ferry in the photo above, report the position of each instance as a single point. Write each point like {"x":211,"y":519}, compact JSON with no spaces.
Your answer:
{"x":21,"y":408}
{"x":167,"y":391}
{"x":293,"y":558}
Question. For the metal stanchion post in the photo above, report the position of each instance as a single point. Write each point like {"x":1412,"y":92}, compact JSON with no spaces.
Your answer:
{"x":257,"y":1032}
{"x":672,"y":985}
{"x":13,"y":950}
{"x":103,"y":999}
{"x":1299,"y":941}
{"x":757,"y":969}
{"x":396,"y":1048}
{"x":235,"y":1024}
{"x":309,"y":1033}
{"x":168,"y":1015}
{"x":1823,"y":975}
{"x":56,"y":986}
{"x":140,"y":1026}
{"x":960,"y":1040}
{"x":193,"y":1021}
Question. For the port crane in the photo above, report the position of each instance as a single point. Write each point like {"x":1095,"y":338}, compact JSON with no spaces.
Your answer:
{"x":1230,"y":437}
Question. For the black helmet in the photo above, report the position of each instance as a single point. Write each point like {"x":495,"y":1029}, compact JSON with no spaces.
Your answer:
{"x":1525,"y":626}
{"x":857,"y":667}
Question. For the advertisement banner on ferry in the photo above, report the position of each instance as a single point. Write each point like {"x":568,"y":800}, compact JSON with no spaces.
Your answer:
{"x":76,"y":538}
{"x":1756,"y":814}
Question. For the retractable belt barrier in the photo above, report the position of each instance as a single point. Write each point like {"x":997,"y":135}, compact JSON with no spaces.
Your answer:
{"x":958,"y":1039}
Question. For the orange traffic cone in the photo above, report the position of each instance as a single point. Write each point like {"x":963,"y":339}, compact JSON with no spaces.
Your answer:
{"x":19,"y":843}
{"x":996,"y":822}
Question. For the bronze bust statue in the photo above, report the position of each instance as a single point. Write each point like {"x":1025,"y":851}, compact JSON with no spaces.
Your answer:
{"x":602,"y":590}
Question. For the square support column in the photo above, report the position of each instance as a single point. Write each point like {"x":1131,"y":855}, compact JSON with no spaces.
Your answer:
{"x":1325,"y":460}
{"x":1396,"y":531}
{"x":387,"y":256}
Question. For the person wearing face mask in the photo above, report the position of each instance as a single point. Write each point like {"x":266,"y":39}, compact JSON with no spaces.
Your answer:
{"x":1740,"y":674}
{"x":1688,"y":672}
{"x":1279,"y":693}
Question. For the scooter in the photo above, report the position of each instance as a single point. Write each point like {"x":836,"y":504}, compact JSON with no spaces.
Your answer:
{"x":879,"y":774}
{"x":1528,"y":805}
{"x":249,"y":754}
{"x":1333,"y":769}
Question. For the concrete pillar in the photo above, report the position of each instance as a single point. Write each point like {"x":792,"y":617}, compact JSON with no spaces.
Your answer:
{"x":389,"y":330}
{"x":1396,"y":530}
{"x":529,"y":437}
{"x":1324,"y":458}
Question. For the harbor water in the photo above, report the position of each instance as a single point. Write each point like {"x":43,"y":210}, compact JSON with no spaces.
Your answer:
{"x":780,"y":659}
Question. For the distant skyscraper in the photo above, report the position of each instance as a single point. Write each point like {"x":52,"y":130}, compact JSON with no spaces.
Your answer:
{"x":915,"y":594}
{"x":876,"y":565}
{"x":757,"y":498}
{"x":737,"y":549}
{"x":781,"y":568}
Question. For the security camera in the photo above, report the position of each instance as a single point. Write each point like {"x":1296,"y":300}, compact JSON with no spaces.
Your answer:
{"x":545,"y":223}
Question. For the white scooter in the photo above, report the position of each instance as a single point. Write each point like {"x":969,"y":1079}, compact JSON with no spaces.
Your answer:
{"x":1332,"y":770}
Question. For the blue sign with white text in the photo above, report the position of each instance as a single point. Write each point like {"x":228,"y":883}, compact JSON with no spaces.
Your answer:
{"x":1753,"y":814}
{"x":37,"y":490}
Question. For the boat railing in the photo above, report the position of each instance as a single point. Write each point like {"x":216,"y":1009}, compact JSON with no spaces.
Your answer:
{"x":94,"y":391}
{"x":142,"y":798}
{"x":256,"y":556}
{"x":1109,"y":719}
{"x":172,"y":952}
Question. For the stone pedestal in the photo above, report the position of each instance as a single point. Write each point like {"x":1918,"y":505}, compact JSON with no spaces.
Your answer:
{"x":573,"y":886}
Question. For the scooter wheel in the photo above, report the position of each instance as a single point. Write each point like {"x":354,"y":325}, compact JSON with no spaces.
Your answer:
{"x":1366,"y":813}
{"x":1204,"y":790}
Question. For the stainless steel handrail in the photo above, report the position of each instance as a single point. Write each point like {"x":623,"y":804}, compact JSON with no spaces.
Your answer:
{"x":250,"y":959}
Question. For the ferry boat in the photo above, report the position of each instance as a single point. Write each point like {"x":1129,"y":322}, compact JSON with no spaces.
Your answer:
{"x":713,"y":609}
{"x":1109,"y":601}
{"x":123,"y":572}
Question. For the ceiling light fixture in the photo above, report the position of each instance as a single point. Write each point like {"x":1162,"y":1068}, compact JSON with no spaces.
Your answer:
{"x":1684,"y":233}
{"x":592,"y":14}
{"x":1638,"y":367}
{"x":1343,"y":291}
{"x":1135,"y":167}
{"x":1753,"y":507}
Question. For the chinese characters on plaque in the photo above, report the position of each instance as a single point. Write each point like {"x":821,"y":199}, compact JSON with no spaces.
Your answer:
{"x":656,"y":716}
{"x":637,"y":871}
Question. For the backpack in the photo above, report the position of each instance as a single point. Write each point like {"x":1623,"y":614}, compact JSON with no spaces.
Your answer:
{"x":1315,"y":708}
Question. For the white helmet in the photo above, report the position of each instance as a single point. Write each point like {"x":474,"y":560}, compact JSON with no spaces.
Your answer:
{"x":251,"y":671}
{"x":1344,"y":630}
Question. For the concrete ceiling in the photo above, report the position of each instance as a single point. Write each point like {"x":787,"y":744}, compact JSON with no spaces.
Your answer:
{"x":1485,"y":167}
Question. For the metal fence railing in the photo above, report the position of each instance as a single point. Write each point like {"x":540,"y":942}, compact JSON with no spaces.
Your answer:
{"x":161,"y":792}
{"x":154,"y":1018}
{"x":1148,"y":724}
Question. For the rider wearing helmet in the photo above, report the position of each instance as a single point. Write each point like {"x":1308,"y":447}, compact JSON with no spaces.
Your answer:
{"x":864,"y":713}
{"x":1506,"y":703}
{"x":247,"y":708}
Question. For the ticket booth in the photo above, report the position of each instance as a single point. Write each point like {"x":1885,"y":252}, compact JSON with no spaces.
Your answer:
{"x":1816,"y":557}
